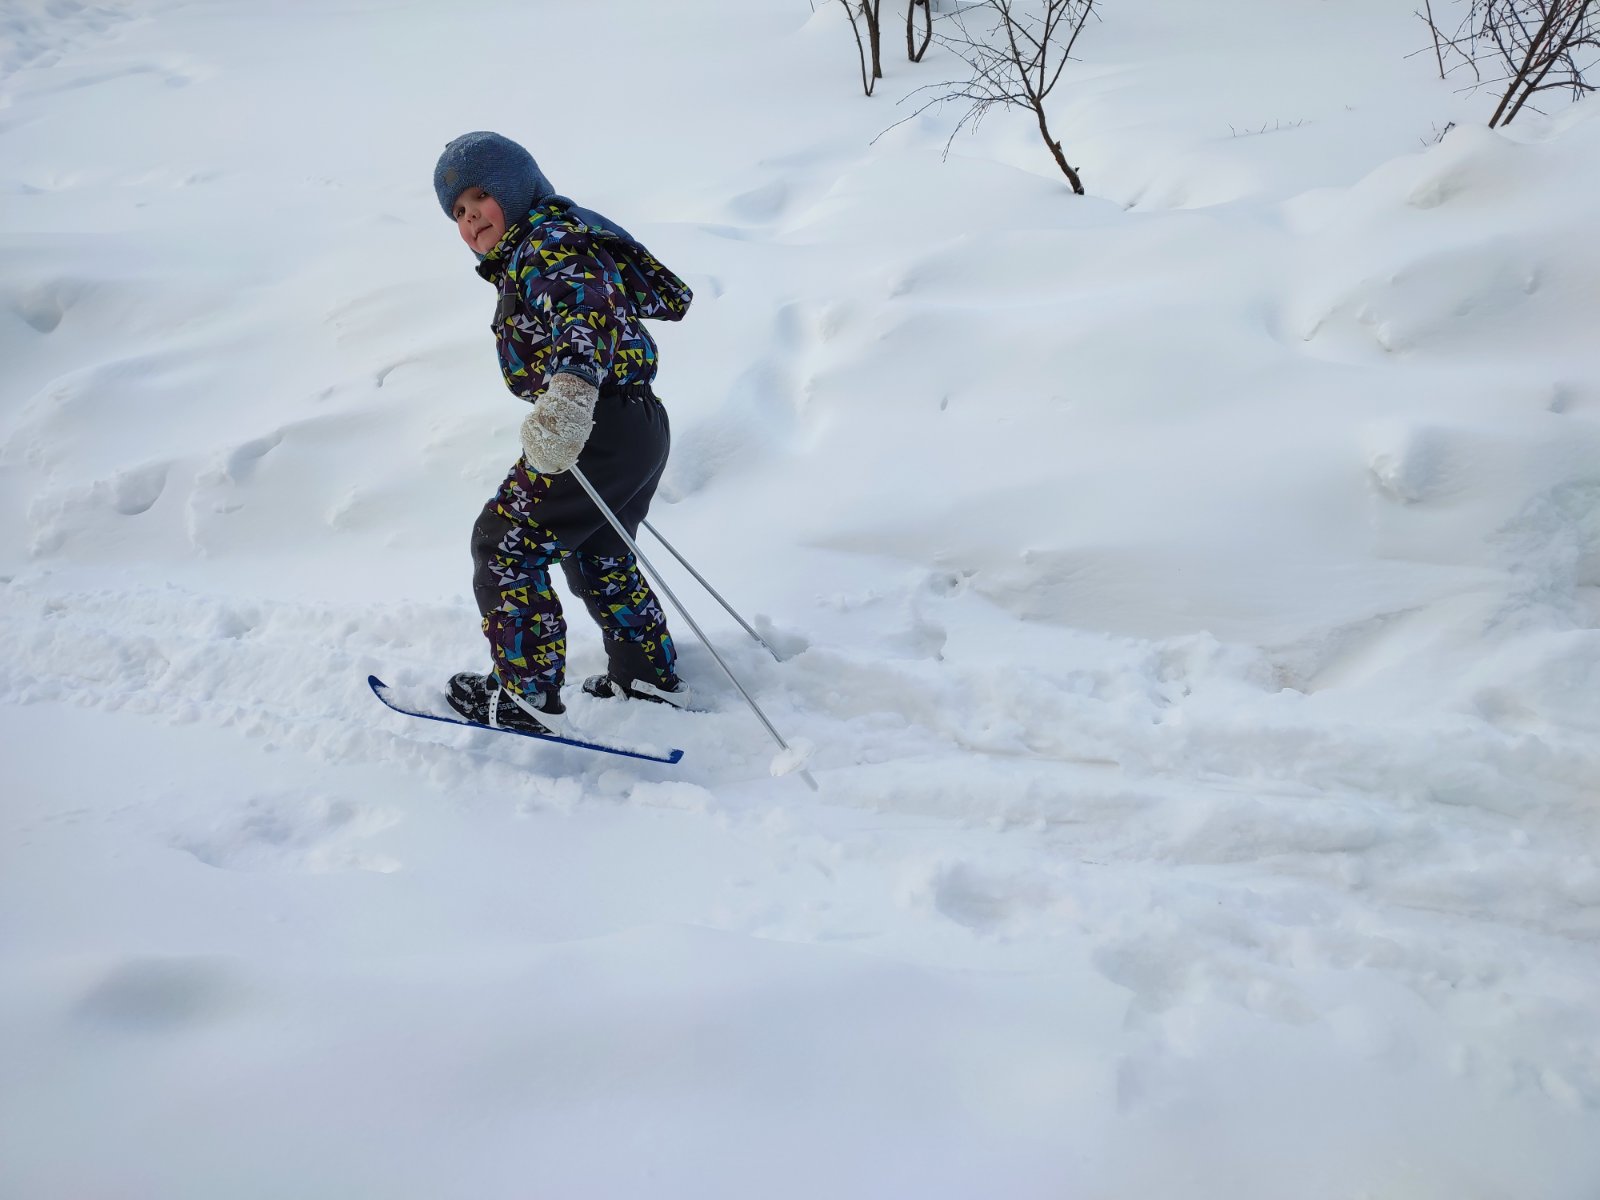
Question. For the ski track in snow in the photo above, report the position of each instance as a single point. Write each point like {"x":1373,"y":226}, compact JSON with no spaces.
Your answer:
{"x":1384,"y":852}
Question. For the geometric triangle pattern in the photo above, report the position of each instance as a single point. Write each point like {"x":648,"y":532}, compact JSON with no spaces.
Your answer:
{"x":574,"y":299}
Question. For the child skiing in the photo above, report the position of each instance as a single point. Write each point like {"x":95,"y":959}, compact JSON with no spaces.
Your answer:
{"x":574,"y":289}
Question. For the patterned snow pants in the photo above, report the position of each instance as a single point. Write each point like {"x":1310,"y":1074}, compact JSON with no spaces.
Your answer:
{"x":536,"y":520}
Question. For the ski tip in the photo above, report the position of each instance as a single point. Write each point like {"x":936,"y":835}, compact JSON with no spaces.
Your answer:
{"x":674,"y":757}
{"x":375,"y":683}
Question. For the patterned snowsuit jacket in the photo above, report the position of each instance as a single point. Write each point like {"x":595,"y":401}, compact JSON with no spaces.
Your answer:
{"x":574,"y":298}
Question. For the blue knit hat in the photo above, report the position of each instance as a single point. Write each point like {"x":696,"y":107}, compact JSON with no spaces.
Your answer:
{"x":507,"y":172}
{"x":497,"y":165}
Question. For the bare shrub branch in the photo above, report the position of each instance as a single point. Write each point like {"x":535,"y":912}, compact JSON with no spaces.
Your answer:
{"x":1534,"y":45}
{"x":915,"y":50}
{"x":1014,"y":63}
{"x":1438,"y":50}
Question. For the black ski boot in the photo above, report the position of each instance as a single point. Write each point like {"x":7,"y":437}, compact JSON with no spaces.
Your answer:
{"x":631,"y":675}
{"x":480,"y":698}
{"x":610,"y":686}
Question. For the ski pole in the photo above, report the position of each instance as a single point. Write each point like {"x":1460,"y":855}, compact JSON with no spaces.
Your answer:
{"x":715,"y":595}
{"x":611,"y":517}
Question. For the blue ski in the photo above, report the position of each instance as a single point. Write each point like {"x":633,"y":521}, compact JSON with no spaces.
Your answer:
{"x":448,"y":717}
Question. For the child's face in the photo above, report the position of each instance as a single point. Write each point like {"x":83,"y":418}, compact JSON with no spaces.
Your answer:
{"x":479,"y":219}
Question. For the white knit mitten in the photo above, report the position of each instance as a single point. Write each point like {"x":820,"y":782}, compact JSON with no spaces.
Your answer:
{"x":554,"y":433}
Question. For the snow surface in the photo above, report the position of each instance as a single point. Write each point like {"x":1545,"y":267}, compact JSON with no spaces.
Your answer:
{"x":1189,"y":597}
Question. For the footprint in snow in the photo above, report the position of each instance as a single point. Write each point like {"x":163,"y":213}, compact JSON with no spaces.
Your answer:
{"x":296,"y":835}
{"x":163,"y":994}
